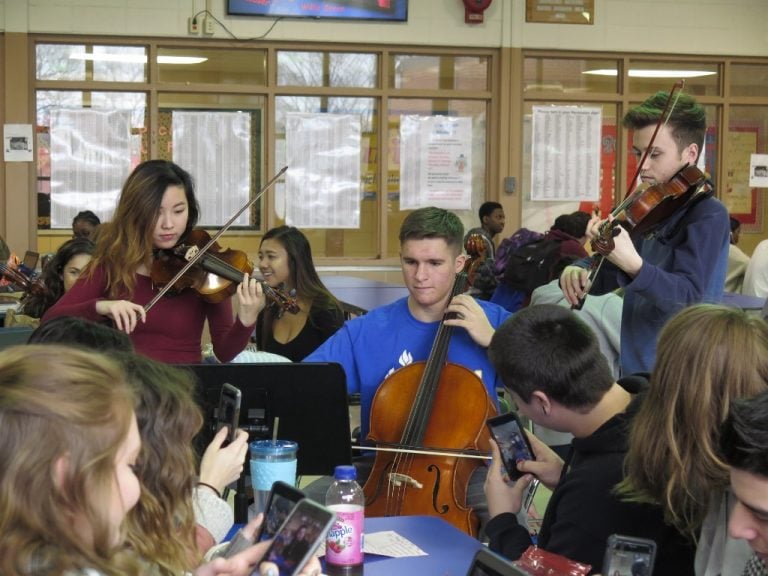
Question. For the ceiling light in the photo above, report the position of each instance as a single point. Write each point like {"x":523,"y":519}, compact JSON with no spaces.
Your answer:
{"x":650,"y":73}
{"x":137,"y":58}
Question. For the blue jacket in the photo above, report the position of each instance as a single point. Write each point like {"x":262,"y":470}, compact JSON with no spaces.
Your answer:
{"x":684,"y":263}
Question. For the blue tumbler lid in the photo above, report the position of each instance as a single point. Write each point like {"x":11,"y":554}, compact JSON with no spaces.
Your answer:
{"x":273,"y":447}
{"x":345,"y":472}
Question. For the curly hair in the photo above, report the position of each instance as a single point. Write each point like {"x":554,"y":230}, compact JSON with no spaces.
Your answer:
{"x":55,"y":403}
{"x":125,"y":243}
{"x":161,"y":527}
{"x":36,"y":303}
{"x":708,"y":356}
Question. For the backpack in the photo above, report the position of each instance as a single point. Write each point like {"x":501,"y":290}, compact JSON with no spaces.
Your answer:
{"x":510,"y":245}
{"x":530,"y":266}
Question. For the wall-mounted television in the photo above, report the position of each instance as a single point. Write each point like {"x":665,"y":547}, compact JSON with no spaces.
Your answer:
{"x":387,"y":10}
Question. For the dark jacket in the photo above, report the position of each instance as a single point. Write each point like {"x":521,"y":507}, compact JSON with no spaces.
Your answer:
{"x":583,"y":511}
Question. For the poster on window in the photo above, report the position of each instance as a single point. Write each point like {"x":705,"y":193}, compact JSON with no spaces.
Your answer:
{"x":565,"y":155}
{"x":215,"y":147}
{"x":90,"y":159}
{"x":322,"y":185}
{"x":435,"y":162}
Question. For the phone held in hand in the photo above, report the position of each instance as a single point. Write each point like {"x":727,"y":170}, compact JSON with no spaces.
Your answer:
{"x":228,"y":412}
{"x":299,"y":536}
{"x":282,"y":499}
{"x":629,"y":556}
{"x":508,"y":432}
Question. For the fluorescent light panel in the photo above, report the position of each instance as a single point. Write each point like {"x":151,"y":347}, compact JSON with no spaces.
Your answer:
{"x":650,"y":73}
{"x":137,"y":58}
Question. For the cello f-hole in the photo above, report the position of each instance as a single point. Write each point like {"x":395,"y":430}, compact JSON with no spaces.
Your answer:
{"x":436,"y":491}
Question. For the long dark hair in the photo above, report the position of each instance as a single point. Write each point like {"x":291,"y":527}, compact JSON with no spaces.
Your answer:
{"x":36,"y":304}
{"x":304,"y":277}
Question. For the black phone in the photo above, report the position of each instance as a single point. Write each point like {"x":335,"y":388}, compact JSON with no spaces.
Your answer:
{"x":282,"y":499}
{"x":486,"y":563}
{"x":228,"y":412}
{"x":508,"y":432}
{"x":629,"y":556}
{"x":299,"y":536}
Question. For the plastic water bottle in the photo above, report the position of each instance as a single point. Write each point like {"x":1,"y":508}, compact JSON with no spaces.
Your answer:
{"x":344,"y":544}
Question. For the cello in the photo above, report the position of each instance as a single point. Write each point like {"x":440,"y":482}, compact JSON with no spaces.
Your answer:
{"x":428,"y":422}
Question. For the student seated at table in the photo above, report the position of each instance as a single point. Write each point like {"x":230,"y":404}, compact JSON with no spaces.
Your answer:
{"x":57,"y":277}
{"x":551,"y":365}
{"x":709,"y":355}
{"x":744,"y":446}
{"x":285,"y":261}
{"x":373,"y":346}
{"x":67,"y":481}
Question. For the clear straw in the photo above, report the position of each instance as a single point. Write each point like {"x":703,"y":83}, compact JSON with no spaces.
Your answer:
{"x":274,"y":429}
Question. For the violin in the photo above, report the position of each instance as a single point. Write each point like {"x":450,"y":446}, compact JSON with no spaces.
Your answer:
{"x":27,"y":285}
{"x":215,"y":275}
{"x":428,"y":425}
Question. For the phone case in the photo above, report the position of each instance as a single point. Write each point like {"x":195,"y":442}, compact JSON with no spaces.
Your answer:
{"x":282,"y":499}
{"x":629,"y":555}
{"x":508,"y":432}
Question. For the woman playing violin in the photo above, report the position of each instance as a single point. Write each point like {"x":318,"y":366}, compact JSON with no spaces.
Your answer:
{"x":285,"y":261}
{"x":157,"y":208}
{"x":683,"y":259}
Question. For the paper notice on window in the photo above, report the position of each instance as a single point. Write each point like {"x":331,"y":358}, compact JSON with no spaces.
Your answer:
{"x":758,"y":170}
{"x":90,"y":160}
{"x":565,"y":155}
{"x":322,"y":185}
{"x":435,"y":162}
{"x":215,"y":147}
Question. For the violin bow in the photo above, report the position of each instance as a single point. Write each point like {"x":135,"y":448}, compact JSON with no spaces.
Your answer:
{"x":200,"y":253}
{"x":597,"y":259}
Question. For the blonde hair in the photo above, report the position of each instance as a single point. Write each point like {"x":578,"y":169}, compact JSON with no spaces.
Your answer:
{"x":708,"y":356}
{"x":58,"y":402}
{"x":161,"y":527}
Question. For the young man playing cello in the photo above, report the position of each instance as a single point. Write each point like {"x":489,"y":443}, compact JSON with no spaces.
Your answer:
{"x":682,"y":260}
{"x":373,"y":346}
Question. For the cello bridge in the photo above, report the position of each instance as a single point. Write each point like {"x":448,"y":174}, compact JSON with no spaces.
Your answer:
{"x":398,"y":479}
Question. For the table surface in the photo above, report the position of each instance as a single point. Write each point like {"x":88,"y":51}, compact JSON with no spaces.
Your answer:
{"x":449,"y":551}
{"x":359,"y":295}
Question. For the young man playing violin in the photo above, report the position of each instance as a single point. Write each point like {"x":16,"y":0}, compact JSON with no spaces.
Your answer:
{"x":679,"y":262}
{"x":373,"y":346}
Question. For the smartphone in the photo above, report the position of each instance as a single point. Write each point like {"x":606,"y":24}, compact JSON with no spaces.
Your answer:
{"x":299,"y":536}
{"x":486,"y":563}
{"x":228,"y":412}
{"x":282,"y":499}
{"x":629,"y":556}
{"x":508,"y":432}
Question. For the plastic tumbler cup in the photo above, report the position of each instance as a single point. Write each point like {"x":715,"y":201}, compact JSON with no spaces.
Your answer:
{"x":271,"y":460}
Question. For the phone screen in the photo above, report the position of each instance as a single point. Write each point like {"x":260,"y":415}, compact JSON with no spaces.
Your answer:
{"x":228,"y":413}
{"x":513,"y":444}
{"x":299,"y":537}
{"x":627,"y":556}
{"x":281,"y":501}
{"x":486,"y":563}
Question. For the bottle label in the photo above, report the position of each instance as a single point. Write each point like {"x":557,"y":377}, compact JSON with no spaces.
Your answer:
{"x":344,"y":545}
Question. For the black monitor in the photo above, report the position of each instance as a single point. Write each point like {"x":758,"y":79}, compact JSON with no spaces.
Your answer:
{"x":310,"y":399}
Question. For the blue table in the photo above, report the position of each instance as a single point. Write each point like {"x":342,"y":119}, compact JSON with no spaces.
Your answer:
{"x":449,"y":551}
{"x":359,"y":295}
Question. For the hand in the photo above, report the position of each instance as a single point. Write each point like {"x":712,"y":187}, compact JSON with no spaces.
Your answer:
{"x":548,"y":465}
{"x":624,"y":254}
{"x":251,"y":299}
{"x":470,"y":316}
{"x":501,"y":495}
{"x":219,"y":466}
{"x":573,"y":283}
{"x":125,"y":314}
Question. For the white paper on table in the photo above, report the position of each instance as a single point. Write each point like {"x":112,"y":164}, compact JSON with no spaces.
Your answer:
{"x":386,"y":543}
